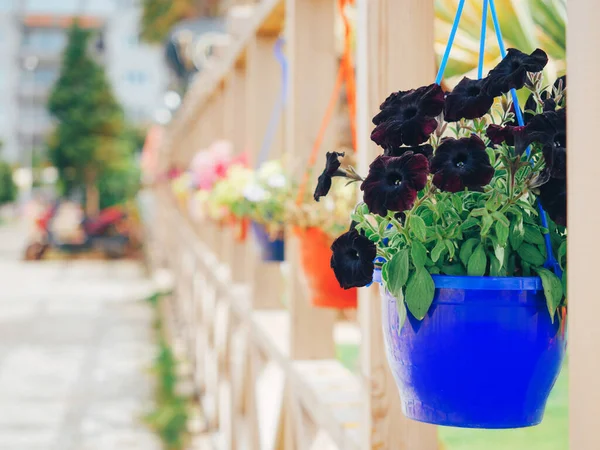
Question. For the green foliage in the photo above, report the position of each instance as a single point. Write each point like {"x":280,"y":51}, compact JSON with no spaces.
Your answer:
{"x":159,"y":16}
{"x":91,"y":145}
{"x":8,"y":189}
{"x":170,"y":417}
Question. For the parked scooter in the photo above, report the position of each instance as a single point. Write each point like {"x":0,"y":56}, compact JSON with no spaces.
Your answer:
{"x":108,"y":232}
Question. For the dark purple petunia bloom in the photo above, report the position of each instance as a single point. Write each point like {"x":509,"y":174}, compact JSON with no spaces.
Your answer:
{"x":408,"y":117}
{"x":332,"y":169}
{"x":461,"y":163}
{"x":498,"y":134}
{"x":511,"y":72}
{"x":425,"y":150}
{"x":553,"y":197}
{"x":393,"y":182}
{"x":468,"y":100}
{"x":352,"y":259}
{"x":548,"y":128}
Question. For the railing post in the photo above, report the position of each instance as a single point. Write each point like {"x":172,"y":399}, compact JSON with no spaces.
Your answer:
{"x":312,"y":67}
{"x":583,"y":66}
{"x":263,"y":75}
{"x":395,"y":52}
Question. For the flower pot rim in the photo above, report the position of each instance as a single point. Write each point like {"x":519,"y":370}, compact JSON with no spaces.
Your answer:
{"x":483,"y":283}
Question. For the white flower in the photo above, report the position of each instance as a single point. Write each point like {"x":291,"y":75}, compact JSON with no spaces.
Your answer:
{"x":254,"y":193}
{"x":276,"y":181}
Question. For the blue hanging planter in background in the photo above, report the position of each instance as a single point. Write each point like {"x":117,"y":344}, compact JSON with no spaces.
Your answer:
{"x":486,"y":355}
{"x":271,"y":249}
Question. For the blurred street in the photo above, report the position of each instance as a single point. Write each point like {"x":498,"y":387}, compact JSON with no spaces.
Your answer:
{"x":75,"y":348}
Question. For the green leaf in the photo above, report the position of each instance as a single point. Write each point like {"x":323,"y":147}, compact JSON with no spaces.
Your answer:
{"x":466,"y":250}
{"x":501,"y":232}
{"x":517,"y":232}
{"x":397,"y":272}
{"x":531,"y":254}
{"x":478,"y":212}
{"x":553,"y":290}
{"x":470,"y":222}
{"x":419,"y":293}
{"x":457,"y":202}
{"x":401,"y":308}
{"x":418,"y":227}
{"x":437,"y":251}
{"x":564,"y":283}
{"x":562,"y":254}
{"x":384,"y":274}
{"x":497,"y":215}
{"x":477,"y":262}
{"x":495,"y":266}
{"x":418,"y":253}
{"x":533,"y":235}
{"x":453,"y":269}
{"x":499,"y":254}
{"x":486,"y":224}
{"x":434,"y":270}
{"x":450,"y":247}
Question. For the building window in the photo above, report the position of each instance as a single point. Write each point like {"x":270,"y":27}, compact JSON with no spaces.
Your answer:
{"x":49,"y":40}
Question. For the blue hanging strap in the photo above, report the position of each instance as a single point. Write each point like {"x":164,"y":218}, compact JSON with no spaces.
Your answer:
{"x":444,"y":61}
{"x":482,"y":40}
{"x":551,"y":262}
{"x":279,"y":105}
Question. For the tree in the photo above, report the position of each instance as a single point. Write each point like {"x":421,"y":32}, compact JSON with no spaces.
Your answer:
{"x":159,"y":16}
{"x":8,"y":189}
{"x":88,"y":139}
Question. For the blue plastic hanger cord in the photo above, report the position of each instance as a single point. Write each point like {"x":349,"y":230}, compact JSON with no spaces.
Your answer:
{"x":482,"y":40}
{"x":279,"y":105}
{"x":444,"y":61}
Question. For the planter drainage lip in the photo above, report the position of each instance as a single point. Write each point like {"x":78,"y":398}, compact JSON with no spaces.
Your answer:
{"x":480,"y":283}
{"x":488,"y":283}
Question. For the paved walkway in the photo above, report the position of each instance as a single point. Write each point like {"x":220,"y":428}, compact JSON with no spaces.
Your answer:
{"x":75,"y":348}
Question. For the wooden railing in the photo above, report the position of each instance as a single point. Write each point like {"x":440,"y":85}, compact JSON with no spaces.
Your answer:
{"x":267,"y":374}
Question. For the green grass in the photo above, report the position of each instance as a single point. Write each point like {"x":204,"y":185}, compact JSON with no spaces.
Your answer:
{"x":551,"y":434}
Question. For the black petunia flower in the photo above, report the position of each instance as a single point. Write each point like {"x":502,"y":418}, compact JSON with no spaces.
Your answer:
{"x":352,"y":259}
{"x":468,"y":100}
{"x":332,"y":169}
{"x":553,"y":197}
{"x":511,"y":72}
{"x":499,"y":134}
{"x":425,"y":150}
{"x":461,"y":163}
{"x":548,"y":128}
{"x":408,"y":117}
{"x":393,"y":182}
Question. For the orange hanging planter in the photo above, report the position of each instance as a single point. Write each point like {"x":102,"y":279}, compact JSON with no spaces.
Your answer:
{"x":315,"y":256}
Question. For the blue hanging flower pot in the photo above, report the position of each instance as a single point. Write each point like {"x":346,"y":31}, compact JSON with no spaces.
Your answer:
{"x":486,"y":355}
{"x":272,"y":250}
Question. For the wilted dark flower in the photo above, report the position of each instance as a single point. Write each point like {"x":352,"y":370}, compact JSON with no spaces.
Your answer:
{"x":352,"y":259}
{"x":511,"y":72}
{"x":408,"y":117}
{"x":332,"y":169}
{"x":548,"y":99}
{"x":553,"y":197}
{"x":425,"y":150}
{"x":461,"y":163}
{"x":468,"y":100}
{"x":548,"y":128}
{"x":498,"y":134}
{"x":393,"y":182}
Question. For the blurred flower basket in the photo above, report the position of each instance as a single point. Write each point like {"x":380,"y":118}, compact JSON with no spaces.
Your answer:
{"x":315,"y":225}
{"x":315,"y":257}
